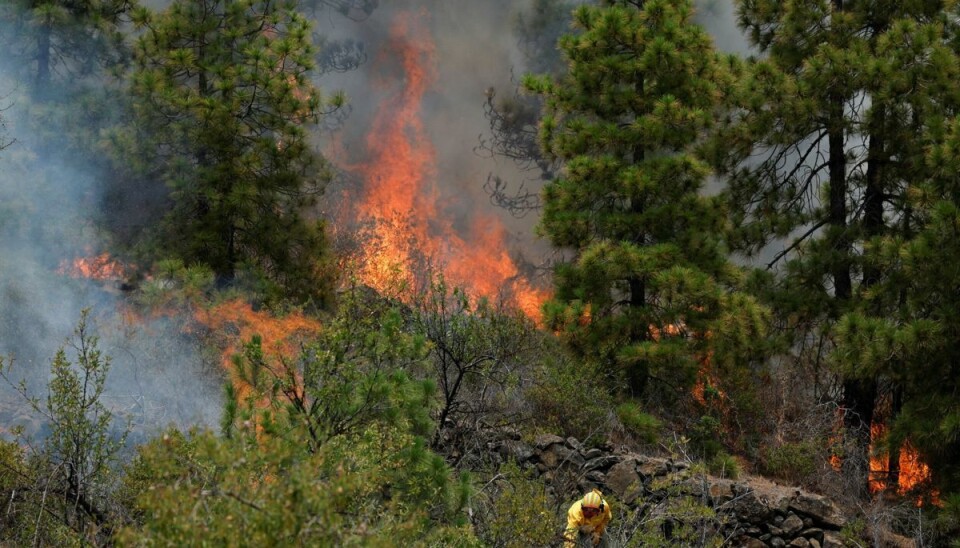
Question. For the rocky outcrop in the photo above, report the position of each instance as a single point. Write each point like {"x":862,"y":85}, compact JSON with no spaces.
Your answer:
{"x":757,"y":513}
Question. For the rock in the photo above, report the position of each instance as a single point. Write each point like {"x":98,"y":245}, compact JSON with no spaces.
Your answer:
{"x":601,"y":463}
{"x":813,"y":533}
{"x":832,"y":540}
{"x":792,"y":525}
{"x":774,"y":530}
{"x":586,"y":485}
{"x":624,"y":481}
{"x":678,"y":466}
{"x":799,"y":542}
{"x":573,"y":443}
{"x":596,"y":476}
{"x":650,"y":467}
{"x":515,"y":450}
{"x":721,"y":490}
{"x":821,"y":509}
{"x":548,"y":459}
{"x":814,"y":543}
{"x":567,"y":456}
{"x":546,"y":440}
{"x":777,"y":542}
{"x":749,"y":508}
{"x":591,"y":454}
{"x":750,"y":542}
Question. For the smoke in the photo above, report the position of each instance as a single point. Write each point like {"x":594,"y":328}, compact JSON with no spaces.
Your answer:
{"x":50,"y":199}
{"x":719,"y":18}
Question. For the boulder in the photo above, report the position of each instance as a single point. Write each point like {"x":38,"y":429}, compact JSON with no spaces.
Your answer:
{"x":832,"y":539}
{"x":624,"y":481}
{"x":514,"y":450}
{"x":560,"y":455}
{"x":591,"y":454}
{"x":821,"y":509}
{"x":721,"y":490}
{"x":650,"y":467}
{"x":601,"y":463}
{"x":749,"y":508}
{"x":792,"y":525}
{"x":813,"y":533}
{"x":544,"y":441}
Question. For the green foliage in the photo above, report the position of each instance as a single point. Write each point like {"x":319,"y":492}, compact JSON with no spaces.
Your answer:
{"x":66,"y":483}
{"x":356,"y":373}
{"x":377,"y":487}
{"x":833,"y":179}
{"x":915,"y":350}
{"x":724,"y":465}
{"x":705,"y":437}
{"x":328,"y":448}
{"x":644,"y":426}
{"x":649,"y":278}
{"x":222,"y":98}
{"x":570,"y":398}
{"x":174,"y":284}
{"x":792,"y":461}
{"x":673,"y":520}
{"x":946,"y":522}
{"x":517,"y":512}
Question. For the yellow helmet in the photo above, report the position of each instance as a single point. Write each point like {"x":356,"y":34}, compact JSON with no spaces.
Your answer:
{"x":592,"y":500}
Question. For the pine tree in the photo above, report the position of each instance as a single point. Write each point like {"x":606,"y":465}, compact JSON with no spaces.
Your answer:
{"x":646,"y":291}
{"x":913,"y":347}
{"x":223,"y":93}
{"x":826,"y":148}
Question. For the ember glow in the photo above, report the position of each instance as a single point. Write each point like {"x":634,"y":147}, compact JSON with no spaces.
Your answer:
{"x":402,"y":203}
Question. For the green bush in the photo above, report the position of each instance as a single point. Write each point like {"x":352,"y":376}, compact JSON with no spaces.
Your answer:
{"x":643,"y":425}
{"x":570,"y":399}
{"x":724,"y":465}
{"x":518,"y":512}
{"x":791,"y":461}
{"x":705,"y":437}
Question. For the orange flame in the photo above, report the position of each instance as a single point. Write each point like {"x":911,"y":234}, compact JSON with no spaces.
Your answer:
{"x":280,"y":336}
{"x":913,"y":471}
{"x":101,"y":267}
{"x":403,"y":204}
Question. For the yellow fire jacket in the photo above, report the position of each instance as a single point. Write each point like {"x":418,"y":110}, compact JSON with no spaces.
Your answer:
{"x":578,"y":523}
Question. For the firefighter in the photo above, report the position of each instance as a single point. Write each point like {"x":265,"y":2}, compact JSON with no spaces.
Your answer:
{"x":587,"y":518}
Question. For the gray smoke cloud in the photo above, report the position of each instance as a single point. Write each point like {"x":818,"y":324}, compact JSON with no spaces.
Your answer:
{"x":49,"y":206}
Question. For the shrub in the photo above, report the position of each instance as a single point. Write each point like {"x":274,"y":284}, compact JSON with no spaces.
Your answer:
{"x":518,"y":512}
{"x":636,"y":422}
{"x":569,"y":398}
{"x":724,"y":465}
{"x":791,"y":461}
